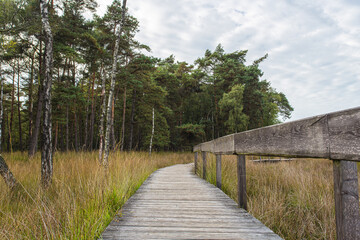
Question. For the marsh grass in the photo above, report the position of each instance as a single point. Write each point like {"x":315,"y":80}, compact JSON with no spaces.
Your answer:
{"x":295,"y":199}
{"x":82,"y":199}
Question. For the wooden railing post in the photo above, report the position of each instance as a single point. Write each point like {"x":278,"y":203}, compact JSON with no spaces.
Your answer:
{"x":218,"y":170}
{"x":241,"y":172}
{"x":196,"y":161}
{"x":346,"y":200}
{"x":204,"y":164}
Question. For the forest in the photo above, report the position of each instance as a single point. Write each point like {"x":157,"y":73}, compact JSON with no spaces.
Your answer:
{"x":218,"y":94}
{"x":70,"y":83}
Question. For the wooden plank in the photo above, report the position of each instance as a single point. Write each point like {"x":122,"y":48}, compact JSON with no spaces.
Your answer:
{"x":184,"y":234}
{"x":224,"y":145}
{"x":346,"y":200}
{"x":197,"y":148}
{"x":218,"y":171}
{"x":241,"y":173}
{"x":344,"y":133}
{"x":207,"y":146}
{"x":335,"y":136}
{"x":177,"y":212}
{"x":204,"y":164}
{"x":195,"y":161}
{"x":305,"y":138}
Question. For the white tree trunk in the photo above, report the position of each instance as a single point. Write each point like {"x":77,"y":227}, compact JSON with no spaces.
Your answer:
{"x":46,"y":154}
{"x":152,"y":131}
{"x":123,"y":123}
{"x":102,"y":116}
{"x":112,"y":87}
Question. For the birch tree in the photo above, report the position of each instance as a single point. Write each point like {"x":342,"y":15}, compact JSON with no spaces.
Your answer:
{"x":152,"y":130}
{"x":46,"y":154}
{"x":7,"y":174}
{"x":112,"y":87}
{"x":102,"y":115}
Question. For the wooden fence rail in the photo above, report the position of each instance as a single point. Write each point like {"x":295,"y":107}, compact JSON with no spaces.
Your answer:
{"x":335,"y":136}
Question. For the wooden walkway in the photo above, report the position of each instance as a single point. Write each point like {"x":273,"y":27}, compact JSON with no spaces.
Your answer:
{"x":173,"y":203}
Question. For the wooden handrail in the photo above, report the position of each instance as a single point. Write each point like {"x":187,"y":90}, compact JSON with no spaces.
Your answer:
{"x":335,"y":136}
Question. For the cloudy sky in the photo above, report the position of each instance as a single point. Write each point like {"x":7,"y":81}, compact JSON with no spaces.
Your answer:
{"x":313,"y":46}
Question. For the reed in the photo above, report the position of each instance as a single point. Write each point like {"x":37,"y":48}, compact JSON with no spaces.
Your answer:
{"x":83,"y":197}
{"x":295,"y":199}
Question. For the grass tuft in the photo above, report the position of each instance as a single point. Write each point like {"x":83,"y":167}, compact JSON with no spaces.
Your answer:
{"x":295,"y":199}
{"x":82,"y":199}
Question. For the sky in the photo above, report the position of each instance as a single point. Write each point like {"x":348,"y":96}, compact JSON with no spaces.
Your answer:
{"x":313,"y":46}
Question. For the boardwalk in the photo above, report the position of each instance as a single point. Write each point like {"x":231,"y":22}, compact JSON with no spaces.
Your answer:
{"x":173,"y":203}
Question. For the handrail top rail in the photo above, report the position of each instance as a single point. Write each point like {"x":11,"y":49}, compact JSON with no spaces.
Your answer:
{"x":333,"y":135}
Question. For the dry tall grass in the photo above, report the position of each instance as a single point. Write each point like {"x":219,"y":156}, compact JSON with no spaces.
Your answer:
{"x":295,"y":199}
{"x":82,"y":199}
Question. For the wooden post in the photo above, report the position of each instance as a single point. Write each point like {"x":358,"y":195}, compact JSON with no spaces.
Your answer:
{"x":346,"y":200}
{"x":195,"y":161}
{"x":204,"y":164}
{"x":218,"y":170}
{"x":241,"y":172}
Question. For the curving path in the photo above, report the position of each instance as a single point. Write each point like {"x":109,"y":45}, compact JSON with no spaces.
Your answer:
{"x":173,"y":203}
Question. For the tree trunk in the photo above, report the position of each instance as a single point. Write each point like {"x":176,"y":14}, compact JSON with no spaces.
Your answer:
{"x":113,"y":140}
{"x":112,"y":87}
{"x":46,"y":155}
{"x":85,"y":146}
{"x":132,"y":122}
{"x":92,"y":118}
{"x":1,"y":108}
{"x":152,"y":130}
{"x":67,"y":128}
{"x":30,"y":106}
{"x":12,"y":109}
{"x":19,"y":107}
{"x":6,"y":174}
{"x":35,"y":135}
{"x":123,"y":123}
{"x":76,"y":132}
{"x":102,"y":115}
{"x":5,"y":128}
{"x":56,"y":136}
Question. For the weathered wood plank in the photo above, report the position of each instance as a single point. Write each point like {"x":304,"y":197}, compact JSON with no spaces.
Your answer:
{"x":346,"y":200}
{"x":207,"y":146}
{"x":224,"y":145}
{"x":344,"y":135}
{"x":130,"y":235}
{"x":335,"y":136}
{"x":204,"y":164}
{"x":196,"y":162}
{"x":218,"y":171}
{"x":241,"y":173}
{"x":175,"y":212}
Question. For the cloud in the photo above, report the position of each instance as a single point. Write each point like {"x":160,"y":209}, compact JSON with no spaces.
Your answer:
{"x":313,"y":46}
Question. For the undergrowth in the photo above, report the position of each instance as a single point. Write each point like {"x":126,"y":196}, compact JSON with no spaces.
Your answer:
{"x":83,"y":197}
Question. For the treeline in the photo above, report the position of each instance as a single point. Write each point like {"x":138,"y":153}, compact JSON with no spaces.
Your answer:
{"x":216,"y":95}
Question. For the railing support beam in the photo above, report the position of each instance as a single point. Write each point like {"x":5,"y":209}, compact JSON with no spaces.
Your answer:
{"x":346,"y":200}
{"x":218,"y":170}
{"x":241,"y":173}
{"x":196,"y":161}
{"x":204,"y":164}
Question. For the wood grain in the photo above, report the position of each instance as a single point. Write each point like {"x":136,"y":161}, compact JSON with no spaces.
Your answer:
{"x":334,"y":136}
{"x":218,"y":171}
{"x":346,"y":200}
{"x":173,"y":203}
{"x":241,"y":173}
{"x":204,"y":164}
